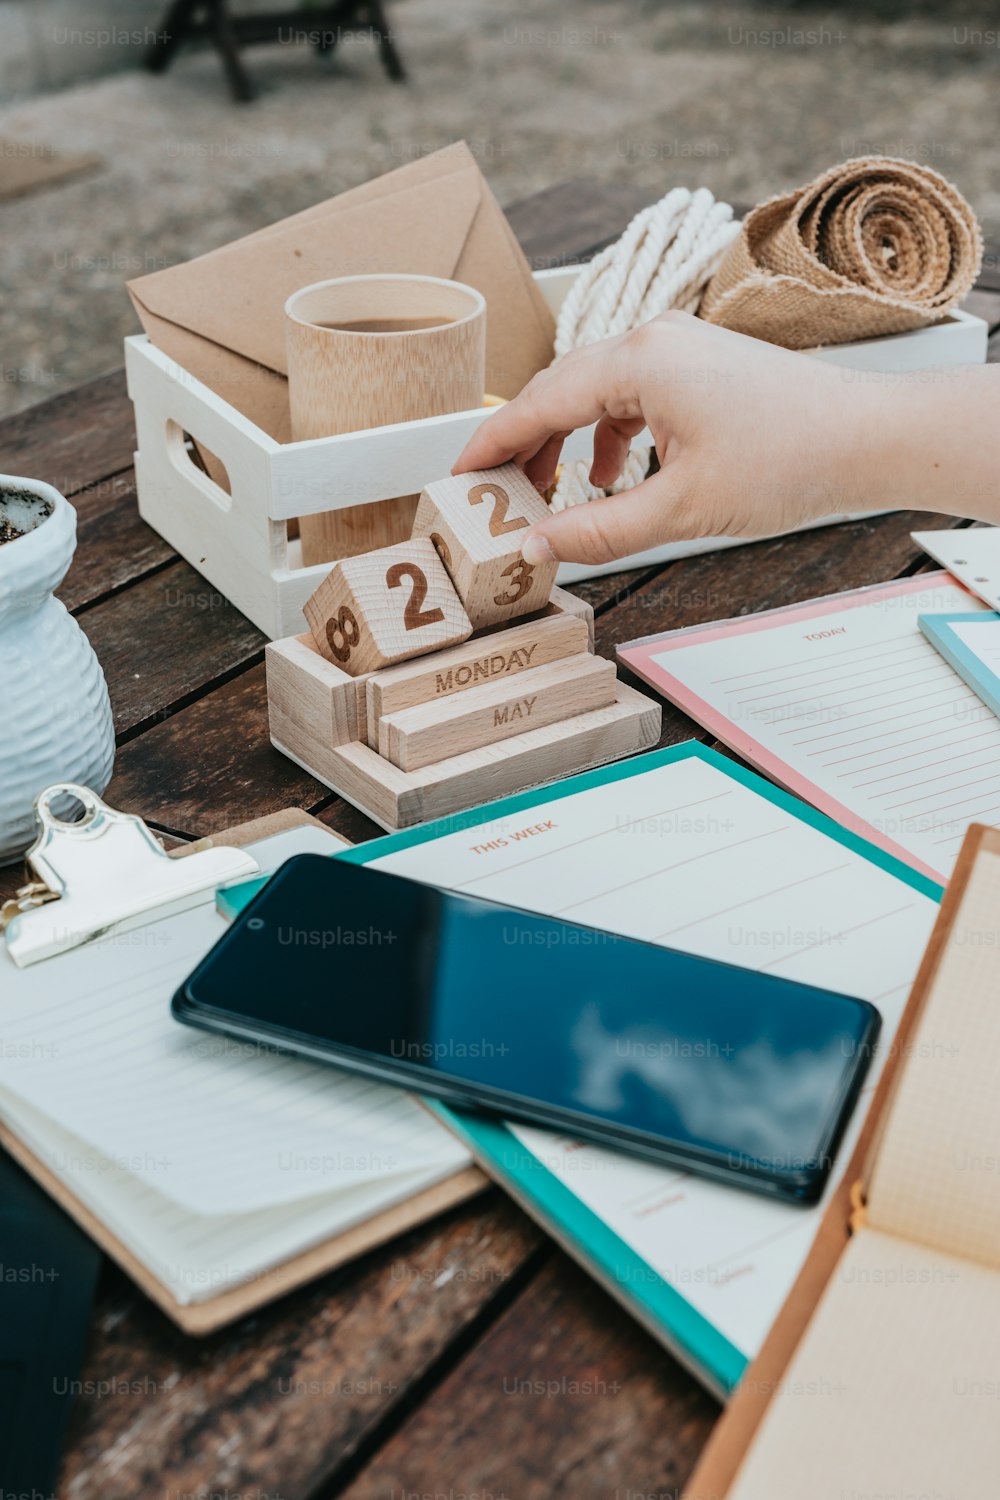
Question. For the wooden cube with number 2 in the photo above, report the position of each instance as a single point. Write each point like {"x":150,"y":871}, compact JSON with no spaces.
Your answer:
{"x":386,"y":606}
{"x":476,"y":522}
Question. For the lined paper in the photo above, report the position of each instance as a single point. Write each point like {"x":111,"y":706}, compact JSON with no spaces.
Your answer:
{"x":687,"y":856}
{"x":198,"y":1256}
{"x":844,"y":701}
{"x":208,"y":1156}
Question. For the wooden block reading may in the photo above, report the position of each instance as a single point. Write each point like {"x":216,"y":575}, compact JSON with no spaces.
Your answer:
{"x":476,"y":521}
{"x":500,"y":653}
{"x":419,"y":736}
{"x":386,"y":606}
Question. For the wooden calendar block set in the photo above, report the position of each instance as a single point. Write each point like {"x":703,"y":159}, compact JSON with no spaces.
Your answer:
{"x":444,"y":672}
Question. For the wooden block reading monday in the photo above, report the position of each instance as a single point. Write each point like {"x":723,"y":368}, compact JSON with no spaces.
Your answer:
{"x":500,"y":654}
{"x":417,"y":737}
{"x":386,"y":606}
{"x":476,"y":522}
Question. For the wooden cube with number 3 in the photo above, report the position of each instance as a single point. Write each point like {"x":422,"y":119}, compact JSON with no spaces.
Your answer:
{"x":386,"y":606}
{"x":476,"y":522}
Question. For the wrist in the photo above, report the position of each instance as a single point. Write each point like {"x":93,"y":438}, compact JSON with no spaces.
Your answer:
{"x":864,"y":434}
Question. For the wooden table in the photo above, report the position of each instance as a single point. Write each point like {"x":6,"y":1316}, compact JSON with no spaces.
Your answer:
{"x":411,"y":1372}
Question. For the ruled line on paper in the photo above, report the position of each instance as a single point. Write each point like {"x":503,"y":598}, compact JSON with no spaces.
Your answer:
{"x":843,"y":932}
{"x":893,"y":775}
{"x":896,"y":806}
{"x":910,"y":740}
{"x":851,"y":680}
{"x":777,"y":667}
{"x":777,"y":890}
{"x":955,"y":838}
{"x":926,"y":671}
{"x":653,"y":874}
{"x":832,"y":734}
{"x":852,"y":677}
{"x":589,"y":838}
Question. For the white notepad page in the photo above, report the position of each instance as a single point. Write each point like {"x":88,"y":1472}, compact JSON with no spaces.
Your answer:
{"x":845,"y":702}
{"x":687,"y":856}
{"x":982,"y":638}
{"x":211,"y":1159}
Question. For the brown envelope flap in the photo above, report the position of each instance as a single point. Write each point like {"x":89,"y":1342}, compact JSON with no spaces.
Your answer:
{"x":235,"y":296}
{"x":520,"y":329}
{"x":424,"y":169}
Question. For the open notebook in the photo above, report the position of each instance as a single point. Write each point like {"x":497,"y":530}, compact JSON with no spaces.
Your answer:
{"x":900,"y":1355}
{"x":217,"y":1173}
{"x":684,"y":848}
{"x":844,"y":701}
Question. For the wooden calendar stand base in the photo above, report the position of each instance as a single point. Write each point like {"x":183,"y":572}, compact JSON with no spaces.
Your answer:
{"x":466,"y":705}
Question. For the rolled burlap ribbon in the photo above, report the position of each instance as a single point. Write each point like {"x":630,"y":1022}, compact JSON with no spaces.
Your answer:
{"x":871,"y":247}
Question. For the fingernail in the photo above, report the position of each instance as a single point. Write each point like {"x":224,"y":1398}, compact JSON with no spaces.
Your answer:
{"x":537,"y":549}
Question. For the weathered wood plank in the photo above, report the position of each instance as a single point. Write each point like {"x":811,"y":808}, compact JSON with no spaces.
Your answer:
{"x":573,"y":220}
{"x":162,"y":640}
{"x":564,"y":1396}
{"x":73,"y":440}
{"x":211,"y":764}
{"x":611,"y":588}
{"x":280,"y":1400}
{"x":114,"y":547}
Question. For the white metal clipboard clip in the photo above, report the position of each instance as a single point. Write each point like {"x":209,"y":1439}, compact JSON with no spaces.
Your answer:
{"x":107,"y":870}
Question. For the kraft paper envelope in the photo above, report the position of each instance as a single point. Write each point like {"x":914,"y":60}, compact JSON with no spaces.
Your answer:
{"x":221,"y":316}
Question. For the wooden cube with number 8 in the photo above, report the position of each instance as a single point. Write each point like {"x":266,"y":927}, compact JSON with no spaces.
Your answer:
{"x":476,"y":522}
{"x":386,"y":606}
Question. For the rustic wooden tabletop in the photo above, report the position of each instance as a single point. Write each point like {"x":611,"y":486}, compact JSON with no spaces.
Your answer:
{"x":452,"y":1362}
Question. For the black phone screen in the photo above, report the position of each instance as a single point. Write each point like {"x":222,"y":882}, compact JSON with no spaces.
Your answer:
{"x":711,"y":1066}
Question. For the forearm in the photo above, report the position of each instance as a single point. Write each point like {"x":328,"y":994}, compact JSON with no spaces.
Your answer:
{"x":928,"y":440}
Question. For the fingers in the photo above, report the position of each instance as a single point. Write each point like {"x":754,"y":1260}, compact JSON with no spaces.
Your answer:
{"x":612,"y":440}
{"x":570,"y":394}
{"x":541,"y":469}
{"x":601,"y":531}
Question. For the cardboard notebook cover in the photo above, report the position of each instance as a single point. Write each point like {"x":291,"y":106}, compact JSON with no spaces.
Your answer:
{"x":235,"y":1302}
{"x":221,"y":316}
{"x":736,"y":1429}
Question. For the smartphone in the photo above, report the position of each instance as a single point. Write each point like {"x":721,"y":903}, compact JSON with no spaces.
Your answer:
{"x":738,"y":1076}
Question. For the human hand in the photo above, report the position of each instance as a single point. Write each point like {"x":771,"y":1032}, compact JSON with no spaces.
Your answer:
{"x":751,"y":439}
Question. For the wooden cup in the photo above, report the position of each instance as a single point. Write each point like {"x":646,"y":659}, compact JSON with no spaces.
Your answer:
{"x":364,"y":351}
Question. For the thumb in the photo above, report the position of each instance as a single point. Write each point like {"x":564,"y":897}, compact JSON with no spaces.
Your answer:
{"x":600,"y":531}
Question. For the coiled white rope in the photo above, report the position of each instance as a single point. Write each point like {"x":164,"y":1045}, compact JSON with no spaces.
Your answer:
{"x":665,"y":259}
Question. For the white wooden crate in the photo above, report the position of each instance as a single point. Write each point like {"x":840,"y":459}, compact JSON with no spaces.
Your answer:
{"x":239,"y":541}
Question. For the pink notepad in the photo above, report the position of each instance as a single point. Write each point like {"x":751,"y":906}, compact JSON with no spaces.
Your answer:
{"x":843,"y":701}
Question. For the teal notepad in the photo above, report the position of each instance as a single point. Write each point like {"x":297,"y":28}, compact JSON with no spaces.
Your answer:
{"x":971,"y":644}
{"x":686,"y":848}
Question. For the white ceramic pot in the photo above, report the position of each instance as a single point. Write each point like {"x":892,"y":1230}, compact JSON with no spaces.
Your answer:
{"x":55,"y":717}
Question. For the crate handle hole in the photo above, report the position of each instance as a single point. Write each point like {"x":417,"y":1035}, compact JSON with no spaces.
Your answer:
{"x":189,"y":452}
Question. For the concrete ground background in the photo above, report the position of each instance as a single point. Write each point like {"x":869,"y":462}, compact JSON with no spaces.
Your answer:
{"x":747,"y":98}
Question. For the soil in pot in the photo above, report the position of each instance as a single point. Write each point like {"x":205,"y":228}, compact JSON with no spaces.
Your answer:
{"x":20,"y":512}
